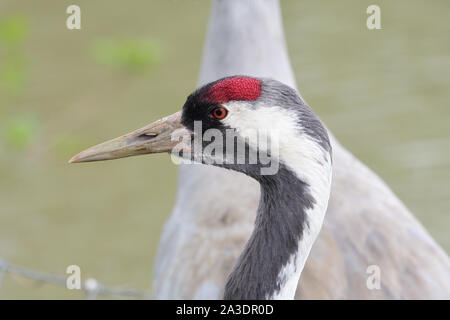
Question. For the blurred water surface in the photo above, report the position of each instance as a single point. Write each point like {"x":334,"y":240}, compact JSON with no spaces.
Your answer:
{"x":384,"y":94}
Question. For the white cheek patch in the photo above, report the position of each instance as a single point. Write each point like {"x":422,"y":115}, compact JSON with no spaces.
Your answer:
{"x":252,"y":124}
{"x":296,"y":149}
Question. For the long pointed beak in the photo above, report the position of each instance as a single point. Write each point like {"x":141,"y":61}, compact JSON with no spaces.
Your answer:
{"x":157,"y":137}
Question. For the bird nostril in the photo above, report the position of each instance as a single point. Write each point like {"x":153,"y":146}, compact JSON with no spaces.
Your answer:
{"x":147,"y":136}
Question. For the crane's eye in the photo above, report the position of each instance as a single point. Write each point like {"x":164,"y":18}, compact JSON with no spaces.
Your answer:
{"x":219,"y":113}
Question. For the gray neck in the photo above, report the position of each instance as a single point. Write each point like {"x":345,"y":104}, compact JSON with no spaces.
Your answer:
{"x":274,"y":243}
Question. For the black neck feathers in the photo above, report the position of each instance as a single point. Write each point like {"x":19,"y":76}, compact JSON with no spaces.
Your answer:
{"x":279,"y":226}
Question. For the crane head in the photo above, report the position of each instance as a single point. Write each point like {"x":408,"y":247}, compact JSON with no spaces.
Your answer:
{"x":241,"y":123}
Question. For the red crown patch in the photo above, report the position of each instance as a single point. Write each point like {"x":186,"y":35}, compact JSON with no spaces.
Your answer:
{"x":234,"y":89}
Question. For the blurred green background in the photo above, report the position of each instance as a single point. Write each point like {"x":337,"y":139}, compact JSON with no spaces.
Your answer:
{"x":385,"y":95}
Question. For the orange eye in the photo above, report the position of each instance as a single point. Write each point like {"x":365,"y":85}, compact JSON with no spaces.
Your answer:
{"x":220,"y":113}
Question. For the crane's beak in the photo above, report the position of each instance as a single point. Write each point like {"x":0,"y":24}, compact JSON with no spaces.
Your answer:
{"x":160,"y":136}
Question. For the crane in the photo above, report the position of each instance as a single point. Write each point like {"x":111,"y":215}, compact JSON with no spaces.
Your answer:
{"x":295,"y":185}
{"x":365,"y":223}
